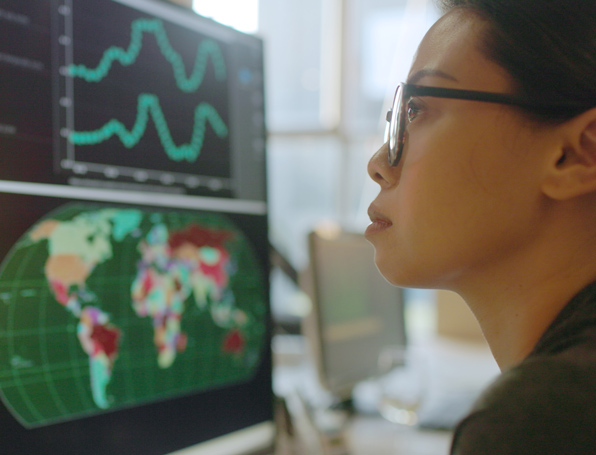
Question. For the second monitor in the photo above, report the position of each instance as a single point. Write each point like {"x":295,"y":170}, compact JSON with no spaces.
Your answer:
{"x":356,"y":312}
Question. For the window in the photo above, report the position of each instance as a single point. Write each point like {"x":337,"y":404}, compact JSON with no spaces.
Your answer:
{"x":243,"y":15}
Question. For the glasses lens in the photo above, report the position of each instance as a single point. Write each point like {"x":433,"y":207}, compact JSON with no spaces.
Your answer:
{"x":393,"y":128}
{"x":387,"y":126}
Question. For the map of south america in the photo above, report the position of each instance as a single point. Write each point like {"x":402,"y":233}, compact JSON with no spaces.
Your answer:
{"x":146,"y":292}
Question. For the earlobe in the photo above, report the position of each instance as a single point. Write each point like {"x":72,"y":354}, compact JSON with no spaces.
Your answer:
{"x":572,"y":170}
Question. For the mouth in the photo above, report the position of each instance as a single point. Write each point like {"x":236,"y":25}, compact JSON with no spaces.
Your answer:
{"x":379,"y":222}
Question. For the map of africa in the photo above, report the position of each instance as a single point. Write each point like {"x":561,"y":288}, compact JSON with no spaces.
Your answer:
{"x":104,"y":307}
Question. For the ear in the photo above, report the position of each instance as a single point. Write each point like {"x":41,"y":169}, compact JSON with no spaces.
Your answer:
{"x":571,"y":171}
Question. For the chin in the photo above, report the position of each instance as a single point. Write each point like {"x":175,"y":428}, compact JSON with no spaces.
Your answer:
{"x":391,"y":264}
{"x":390,"y":272}
{"x":404,"y":277}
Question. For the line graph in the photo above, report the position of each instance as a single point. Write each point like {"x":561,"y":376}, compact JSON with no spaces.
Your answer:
{"x":142,"y":100}
{"x":149,"y":105}
{"x":208,"y":49}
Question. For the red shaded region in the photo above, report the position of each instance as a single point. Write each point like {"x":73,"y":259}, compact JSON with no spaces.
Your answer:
{"x":60,"y":292}
{"x":177,"y":284}
{"x":147,"y":283}
{"x":106,"y":339}
{"x":234,"y":342}
{"x":216,"y":271}
{"x":199,"y":236}
{"x":181,"y":342}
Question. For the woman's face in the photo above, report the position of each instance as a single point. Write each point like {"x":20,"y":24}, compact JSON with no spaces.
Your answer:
{"x":464,"y":199}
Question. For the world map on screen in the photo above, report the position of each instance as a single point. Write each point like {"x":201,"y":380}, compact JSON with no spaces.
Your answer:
{"x":104,"y":307}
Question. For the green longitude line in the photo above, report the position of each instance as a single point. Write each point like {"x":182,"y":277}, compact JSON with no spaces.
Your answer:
{"x":207,"y":48}
{"x":28,"y":401}
{"x":148,"y":104}
{"x":44,"y":348}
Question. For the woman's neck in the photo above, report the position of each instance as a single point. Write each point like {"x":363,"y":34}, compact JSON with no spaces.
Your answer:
{"x":515,"y":304}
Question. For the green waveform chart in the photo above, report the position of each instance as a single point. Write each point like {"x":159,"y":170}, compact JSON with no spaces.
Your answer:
{"x":149,"y":106}
{"x":147,"y":100}
{"x":208,"y":49}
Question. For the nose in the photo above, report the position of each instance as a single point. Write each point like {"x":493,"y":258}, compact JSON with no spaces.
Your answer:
{"x":379,"y":169}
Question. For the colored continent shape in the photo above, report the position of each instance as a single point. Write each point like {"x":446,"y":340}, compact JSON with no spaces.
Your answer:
{"x":75,"y":248}
{"x":175,"y":265}
{"x":89,"y":286}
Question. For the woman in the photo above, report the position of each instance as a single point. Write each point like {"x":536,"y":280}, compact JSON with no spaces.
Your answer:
{"x":488,"y":188}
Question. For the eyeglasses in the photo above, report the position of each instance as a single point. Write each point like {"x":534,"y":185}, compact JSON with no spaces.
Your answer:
{"x":397,"y":116}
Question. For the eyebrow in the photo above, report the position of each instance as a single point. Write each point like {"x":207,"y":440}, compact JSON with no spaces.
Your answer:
{"x":417,"y":76}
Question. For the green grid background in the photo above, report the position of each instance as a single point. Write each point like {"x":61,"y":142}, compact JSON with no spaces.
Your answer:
{"x":44,"y":372}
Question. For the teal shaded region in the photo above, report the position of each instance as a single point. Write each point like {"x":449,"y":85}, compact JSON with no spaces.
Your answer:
{"x":149,"y":106}
{"x":207,"y":50}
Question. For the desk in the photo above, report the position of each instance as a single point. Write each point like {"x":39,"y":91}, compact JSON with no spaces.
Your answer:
{"x":459,"y":364}
{"x":367,"y":435}
{"x":370,"y":435}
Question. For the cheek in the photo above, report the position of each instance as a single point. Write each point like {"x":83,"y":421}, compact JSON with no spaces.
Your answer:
{"x":436,"y":186}
{"x":454,"y":203}
{"x":467,"y":196}
{"x":425,"y":228}
{"x":462,"y":164}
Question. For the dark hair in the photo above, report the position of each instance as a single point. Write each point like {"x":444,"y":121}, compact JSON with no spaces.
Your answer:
{"x":547,"y":46}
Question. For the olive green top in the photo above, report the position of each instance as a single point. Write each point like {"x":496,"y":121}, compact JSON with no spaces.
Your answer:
{"x":547,"y":404}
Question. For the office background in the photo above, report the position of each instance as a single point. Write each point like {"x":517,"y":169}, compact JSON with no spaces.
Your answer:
{"x":331,"y":67}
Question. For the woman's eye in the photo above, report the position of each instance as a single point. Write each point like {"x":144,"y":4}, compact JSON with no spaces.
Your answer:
{"x":413,"y":109}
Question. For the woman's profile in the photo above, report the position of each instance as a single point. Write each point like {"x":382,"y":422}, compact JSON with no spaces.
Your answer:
{"x":488,"y":188}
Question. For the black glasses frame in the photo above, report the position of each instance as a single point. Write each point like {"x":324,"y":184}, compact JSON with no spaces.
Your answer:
{"x":395,"y":131}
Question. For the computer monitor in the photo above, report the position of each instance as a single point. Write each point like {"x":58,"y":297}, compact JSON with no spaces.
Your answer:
{"x":134,"y":299}
{"x":355,"y":314}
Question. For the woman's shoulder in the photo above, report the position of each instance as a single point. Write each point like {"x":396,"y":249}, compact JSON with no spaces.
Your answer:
{"x":553,"y":377}
{"x":546,"y":405}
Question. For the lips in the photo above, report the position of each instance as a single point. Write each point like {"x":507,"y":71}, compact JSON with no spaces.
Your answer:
{"x":379,"y":222}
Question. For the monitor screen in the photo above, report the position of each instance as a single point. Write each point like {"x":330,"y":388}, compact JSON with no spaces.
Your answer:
{"x":356,"y":312}
{"x":134,"y":300}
